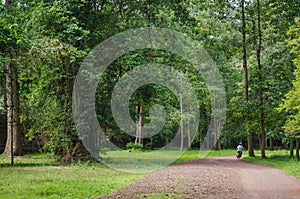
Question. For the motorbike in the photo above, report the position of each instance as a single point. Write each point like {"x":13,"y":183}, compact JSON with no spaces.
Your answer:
{"x":239,"y":154}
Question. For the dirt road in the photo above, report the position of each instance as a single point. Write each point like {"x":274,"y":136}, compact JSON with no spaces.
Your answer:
{"x":214,"y":178}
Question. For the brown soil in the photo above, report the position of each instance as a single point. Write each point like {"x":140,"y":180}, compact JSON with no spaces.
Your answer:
{"x":214,"y":178}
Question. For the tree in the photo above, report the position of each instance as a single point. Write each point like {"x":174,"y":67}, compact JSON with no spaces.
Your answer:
{"x":14,"y":141}
{"x":56,"y":48}
{"x":246,"y":98}
{"x":261,"y":97}
{"x":291,"y":101}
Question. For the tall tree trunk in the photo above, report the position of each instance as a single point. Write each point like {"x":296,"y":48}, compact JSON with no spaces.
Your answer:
{"x":217,"y":145}
{"x":215,"y":134}
{"x":297,"y":148}
{"x":271,"y":143}
{"x":200,"y":140}
{"x":291,"y":148}
{"x":189,"y":135}
{"x":261,"y":97}
{"x":218,"y":141}
{"x":139,"y":120}
{"x":181,"y":121}
{"x":140,"y":125}
{"x":14,"y":141}
{"x":244,"y":54}
{"x":137,"y":128}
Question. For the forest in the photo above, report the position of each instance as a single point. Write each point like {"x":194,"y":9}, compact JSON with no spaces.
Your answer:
{"x":255,"y":46}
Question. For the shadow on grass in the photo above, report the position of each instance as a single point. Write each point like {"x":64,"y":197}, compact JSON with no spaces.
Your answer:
{"x":24,"y":164}
{"x":49,"y":161}
{"x":29,"y":160}
{"x":275,"y":158}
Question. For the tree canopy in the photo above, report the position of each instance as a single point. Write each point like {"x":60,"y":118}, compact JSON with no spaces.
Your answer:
{"x":43,"y":44}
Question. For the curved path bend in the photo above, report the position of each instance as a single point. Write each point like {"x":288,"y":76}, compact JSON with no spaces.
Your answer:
{"x":224,"y":177}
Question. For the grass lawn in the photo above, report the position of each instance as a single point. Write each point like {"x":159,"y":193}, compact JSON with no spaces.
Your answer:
{"x":195,"y":154}
{"x":148,"y":161}
{"x":39,"y":176}
{"x":278,"y":159}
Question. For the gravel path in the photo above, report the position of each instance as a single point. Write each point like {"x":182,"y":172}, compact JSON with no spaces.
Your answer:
{"x":224,"y":177}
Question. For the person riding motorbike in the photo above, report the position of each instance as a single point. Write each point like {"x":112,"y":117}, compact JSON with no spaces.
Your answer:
{"x":239,"y":150}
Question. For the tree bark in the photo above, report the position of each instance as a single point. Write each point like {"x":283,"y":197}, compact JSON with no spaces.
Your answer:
{"x":14,"y":141}
{"x":181,"y":118}
{"x":261,"y":98}
{"x":140,"y":125}
{"x":189,"y":135}
{"x":139,"y":120}
{"x":244,"y":54}
{"x":137,"y":124}
{"x":271,"y":144}
{"x":297,"y":148}
{"x":181,"y":124}
{"x":215,"y":134}
{"x":291,"y":148}
{"x":217,"y":145}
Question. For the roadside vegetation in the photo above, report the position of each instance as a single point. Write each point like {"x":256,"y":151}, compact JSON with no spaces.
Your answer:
{"x":41,"y":176}
{"x":279,"y":159}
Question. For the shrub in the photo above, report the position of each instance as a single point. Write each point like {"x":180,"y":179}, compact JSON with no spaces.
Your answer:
{"x":133,"y":146}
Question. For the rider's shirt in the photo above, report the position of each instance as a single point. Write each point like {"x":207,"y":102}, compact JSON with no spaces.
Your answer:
{"x":239,"y":148}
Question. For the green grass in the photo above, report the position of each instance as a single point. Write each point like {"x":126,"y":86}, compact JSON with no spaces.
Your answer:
{"x":148,"y":161}
{"x":140,"y":162}
{"x":278,"y":159}
{"x":196,"y":154}
{"x":39,"y":176}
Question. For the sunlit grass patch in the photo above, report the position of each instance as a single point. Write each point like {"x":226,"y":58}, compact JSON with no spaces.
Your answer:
{"x":140,"y":161}
{"x":38,"y":176}
{"x":147,"y":161}
{"x":278,"y":159}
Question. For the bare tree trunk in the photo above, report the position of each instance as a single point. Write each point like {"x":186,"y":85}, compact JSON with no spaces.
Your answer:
{"x":181,"y":123}
{"x":297,"y":148}
{"x":218,"y":141}
{"x":139,"y":120}
{"x":140,"y":125}
{"x":189,"y":135}
{"x":250,"y":143}
{"x":137,"y":124}
{"x":261,"y":98}
{"x":217,"y":145}
{"x":200,"y":140}
{"x":215,"y":134}
{"x":244,"y":53}
{"x":14,"y":141}
{"x":271,"y":143}
{"x":291,"y":148}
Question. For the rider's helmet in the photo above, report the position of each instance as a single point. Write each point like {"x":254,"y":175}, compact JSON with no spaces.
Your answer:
{"x":240,"y":143}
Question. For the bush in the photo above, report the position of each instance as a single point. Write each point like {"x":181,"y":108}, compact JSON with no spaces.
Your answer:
{"x":133,"y":146}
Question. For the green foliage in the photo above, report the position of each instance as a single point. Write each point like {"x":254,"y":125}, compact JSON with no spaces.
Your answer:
{"x":49,"y":39}
{"x":291,"y":102}
{"x":134,"y":146}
